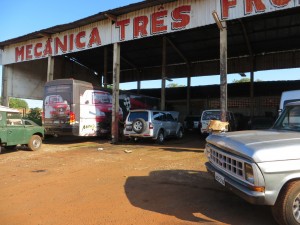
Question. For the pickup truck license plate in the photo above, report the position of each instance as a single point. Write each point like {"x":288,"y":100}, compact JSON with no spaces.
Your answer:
{"x":220,"y":178}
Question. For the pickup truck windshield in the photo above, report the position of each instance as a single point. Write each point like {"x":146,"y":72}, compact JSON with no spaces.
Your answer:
{"x":289,"y":119}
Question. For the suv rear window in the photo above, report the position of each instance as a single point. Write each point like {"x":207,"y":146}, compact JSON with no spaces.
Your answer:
{"x":136,"y":115}
{"x":211,"y":115}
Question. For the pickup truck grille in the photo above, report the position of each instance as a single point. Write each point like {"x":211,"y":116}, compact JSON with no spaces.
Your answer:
{"x":227,"y":162}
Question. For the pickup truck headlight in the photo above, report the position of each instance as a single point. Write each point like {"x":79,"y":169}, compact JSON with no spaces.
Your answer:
{"x":207,"y":151}
{"x":249,"y":175}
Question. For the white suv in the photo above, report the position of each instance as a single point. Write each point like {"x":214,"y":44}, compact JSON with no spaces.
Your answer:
{"x":153,"y":124}
{"x":215,"y":114}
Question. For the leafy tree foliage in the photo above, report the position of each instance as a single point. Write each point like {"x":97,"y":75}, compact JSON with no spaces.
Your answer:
{"x":244,"y":80}
{"x":173,"y":85}
{"x":35,"y":115}
{"x":17,"y":103}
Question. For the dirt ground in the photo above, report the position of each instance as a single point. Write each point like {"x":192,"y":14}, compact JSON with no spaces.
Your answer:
{"x":92,"y":182}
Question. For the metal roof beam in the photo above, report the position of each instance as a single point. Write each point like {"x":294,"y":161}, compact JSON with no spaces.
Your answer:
{"x":246,"y":38}
{"x":178,"y":51}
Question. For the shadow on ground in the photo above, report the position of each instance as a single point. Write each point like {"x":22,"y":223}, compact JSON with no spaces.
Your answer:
{"x":193,"y":196}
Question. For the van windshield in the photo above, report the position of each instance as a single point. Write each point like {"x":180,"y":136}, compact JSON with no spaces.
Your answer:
{"x":211,"y":115}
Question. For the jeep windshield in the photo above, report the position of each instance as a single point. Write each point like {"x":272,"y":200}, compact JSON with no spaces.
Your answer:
{"x":289,"y":119}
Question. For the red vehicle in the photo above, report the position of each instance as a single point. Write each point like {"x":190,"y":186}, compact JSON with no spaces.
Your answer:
{"x":56,"y":106}
{"x":74,"y":107}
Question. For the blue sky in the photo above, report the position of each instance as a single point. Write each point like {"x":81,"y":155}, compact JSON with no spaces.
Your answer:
{"x":19,"y":17}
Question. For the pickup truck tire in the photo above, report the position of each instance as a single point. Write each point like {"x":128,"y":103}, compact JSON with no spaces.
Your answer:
{"x":35,"y":142}
{"x":160,"y":137}
{"x":139,"y":125}
{"x":286,"y":210}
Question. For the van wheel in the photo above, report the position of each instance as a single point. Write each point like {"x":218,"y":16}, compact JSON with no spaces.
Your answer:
{"x":139,"y":125}
{"x":286,"y":210}
{"x":35,"y":142}
{"x":160,"y":137}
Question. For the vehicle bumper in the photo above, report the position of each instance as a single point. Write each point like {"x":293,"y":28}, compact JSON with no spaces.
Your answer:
{"x":66,"y":131}
{"x":139,"y":135}
{"x":253,"y":197}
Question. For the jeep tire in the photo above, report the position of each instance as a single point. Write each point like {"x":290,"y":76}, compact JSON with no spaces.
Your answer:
{"x":286,"y":210}
{"x":160,"y":137}
{"x":179,"y":133}
{"x":139,"y":125}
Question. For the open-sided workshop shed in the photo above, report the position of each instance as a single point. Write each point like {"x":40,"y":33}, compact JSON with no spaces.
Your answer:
{"x":156,"y":39}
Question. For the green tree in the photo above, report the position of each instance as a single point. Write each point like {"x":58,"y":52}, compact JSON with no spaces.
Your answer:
{"x":17,"y":103}
{"x":244,"y":80}
{"x":173,"y":85}
{"x":35,"y":115}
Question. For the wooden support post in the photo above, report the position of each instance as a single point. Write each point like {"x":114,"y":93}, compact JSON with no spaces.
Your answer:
{"x":163,"y":75}
{"x":252,"y":91}
{"x":105,"y":68}
{"x":4,"y":99}
{"x":138,"y":81}
{"x":188,"y":93}
{"x":50,"y":68}
{"x":223,"y":72}
{"x":115,"y":105}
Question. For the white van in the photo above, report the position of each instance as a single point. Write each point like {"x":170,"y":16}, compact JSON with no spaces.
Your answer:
{"x":287,"y":97}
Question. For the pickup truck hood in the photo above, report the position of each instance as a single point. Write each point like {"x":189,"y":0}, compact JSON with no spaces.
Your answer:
{"x":260,"y":145}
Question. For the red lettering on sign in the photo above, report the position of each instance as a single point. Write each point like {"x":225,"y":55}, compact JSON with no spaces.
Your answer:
{"x":28,"y":52}
{"x":258,"y":4}
{"x":181,"y":17}
{"x":80,"y":44}
{"x":63,"y":46}
{"x":36,"y":51}
{"x":280,"y":3}
{"x":140,"y":24}
{"x":121,"y":25}
{"x":48,"y":48}
{"x":94,"y":37}
{"x":71,"y":41}
{"x":158,"y":23}
{"x":19,"y":54}
{"x":226,"y":5}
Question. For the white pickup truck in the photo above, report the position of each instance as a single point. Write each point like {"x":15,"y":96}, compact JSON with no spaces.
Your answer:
{"x":262,"y":166}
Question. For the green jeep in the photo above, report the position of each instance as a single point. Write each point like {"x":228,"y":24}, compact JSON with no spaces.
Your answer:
{"x":16,"y":131}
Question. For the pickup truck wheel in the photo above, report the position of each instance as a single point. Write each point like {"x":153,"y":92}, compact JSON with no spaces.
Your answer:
{"x":139,"y":125}
{"x":35,"y":142}
{"x":160,"y":137}
{"x":286,"y":210}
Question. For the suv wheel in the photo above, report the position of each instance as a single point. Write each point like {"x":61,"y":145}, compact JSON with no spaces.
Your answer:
{"x":286,"y":210}
{"x":160,"y":137}
{"x":139,"y":125}
{"x":180,"y":134}
{"x":35,"y":143}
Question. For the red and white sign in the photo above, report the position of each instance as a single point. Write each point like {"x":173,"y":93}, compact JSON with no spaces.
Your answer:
{"x":167,"y":18}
